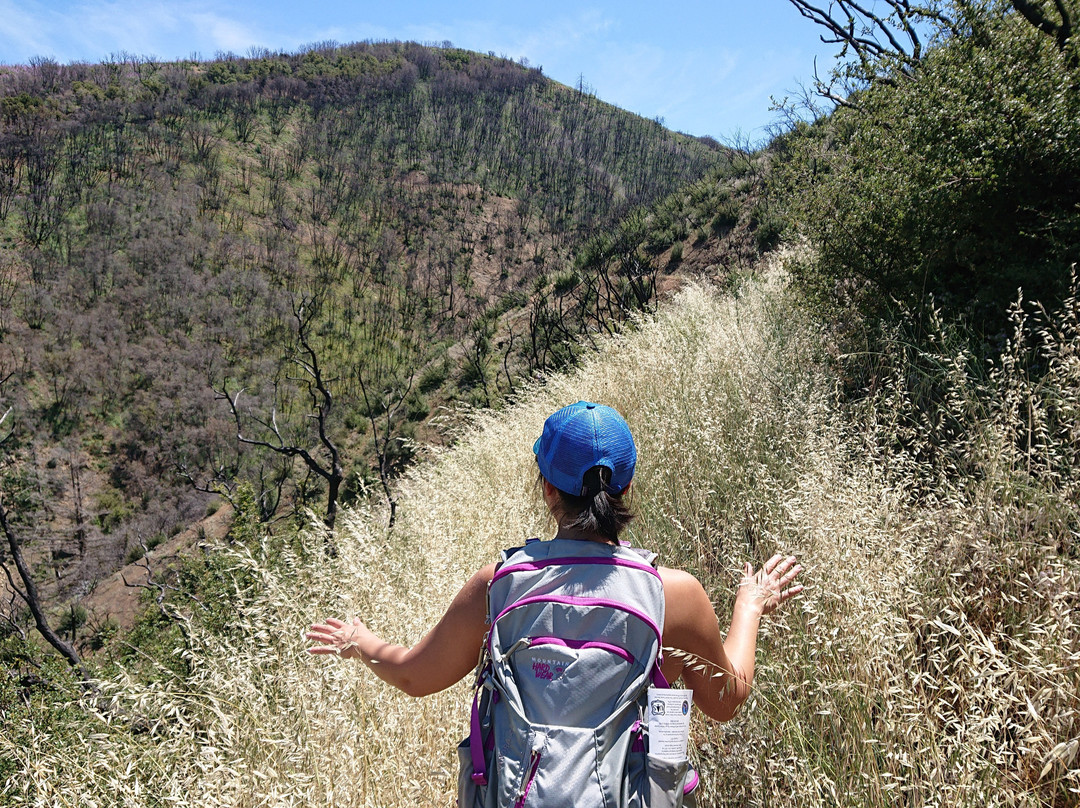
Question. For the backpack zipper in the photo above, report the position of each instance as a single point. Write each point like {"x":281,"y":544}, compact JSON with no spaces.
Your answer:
{"x":567,"y":600}
{"x":535,"y":566}
{"x":534,"y":764}
{"x":622,"y":653}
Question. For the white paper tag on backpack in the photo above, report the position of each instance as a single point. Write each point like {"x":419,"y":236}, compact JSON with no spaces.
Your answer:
{"x":669,"y":723}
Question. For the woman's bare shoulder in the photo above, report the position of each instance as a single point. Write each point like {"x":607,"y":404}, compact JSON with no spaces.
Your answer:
{"x":678,"y":581}
{"x":685,"y":598}
{"x":477,"y":585}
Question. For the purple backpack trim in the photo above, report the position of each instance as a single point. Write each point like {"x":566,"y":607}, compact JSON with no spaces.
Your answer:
{"x":533,"y":566}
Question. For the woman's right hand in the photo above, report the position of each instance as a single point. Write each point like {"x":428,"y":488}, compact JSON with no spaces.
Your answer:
{"x":764,"y":589}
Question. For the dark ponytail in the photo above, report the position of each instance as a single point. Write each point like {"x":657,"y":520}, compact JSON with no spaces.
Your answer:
{"x":597,"y":510}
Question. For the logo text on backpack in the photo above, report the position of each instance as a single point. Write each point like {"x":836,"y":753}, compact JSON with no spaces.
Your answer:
{"x":547,"y":669}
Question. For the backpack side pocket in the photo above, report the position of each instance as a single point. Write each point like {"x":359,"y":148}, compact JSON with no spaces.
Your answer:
{"x":671,"y":784}
{"x":470,"y":794}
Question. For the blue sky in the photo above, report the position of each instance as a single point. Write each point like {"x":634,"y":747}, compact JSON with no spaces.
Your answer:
{"x":707,"y":68}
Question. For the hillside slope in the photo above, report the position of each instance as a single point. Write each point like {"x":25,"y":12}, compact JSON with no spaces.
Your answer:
{"x":934,"y":658}
{"x":174,"y":234}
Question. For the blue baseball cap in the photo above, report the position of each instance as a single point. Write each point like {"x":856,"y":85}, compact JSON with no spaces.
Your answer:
{"x":581,"y":436}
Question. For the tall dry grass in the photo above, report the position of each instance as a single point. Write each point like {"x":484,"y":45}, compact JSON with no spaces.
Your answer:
{"x":933,"y":660}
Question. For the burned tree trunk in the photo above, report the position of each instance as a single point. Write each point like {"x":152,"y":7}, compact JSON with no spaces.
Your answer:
{"x":29,"y":594}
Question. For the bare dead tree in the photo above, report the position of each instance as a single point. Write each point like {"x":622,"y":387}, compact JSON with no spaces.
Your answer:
{"x":382,"y":435}
{"x":29,"y":594}
{"x":220,"y":481}
{"x":508,"y":349}
{"x":76,"y":466}
{"x":889,"y":34}
{"x":159,"y":590}
{"x":641,"y":276}
{"x":871,"y":36}
{"x":9,"y":615}
{"x":221,"y":478}
{"x":476,"y":357}
{"x":317,"y":386}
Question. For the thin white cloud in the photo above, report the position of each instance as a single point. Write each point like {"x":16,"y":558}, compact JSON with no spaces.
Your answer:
{"x":92,"y":30}
{"x":225,"y":34}
{"x":550,"y":42}
{"x":97,"y":29}
{"x":561,"y":36}
{"x":26,"y":29}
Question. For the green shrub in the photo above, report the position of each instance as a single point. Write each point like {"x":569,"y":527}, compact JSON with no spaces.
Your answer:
{"x":141,"y":548}
{"x":433,"y":377}
{"x":101,"y":634}
{"x":767,"y":227}
{"x":564,"y":282}
{"x":112,"y":509}
{"x":417,"y":407}
{"x":72,"y":618}
{"x":950,"y":183}
{"x":725,"y":219}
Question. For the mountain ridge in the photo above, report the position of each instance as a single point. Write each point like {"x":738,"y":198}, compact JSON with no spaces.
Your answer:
{"x":161,"y":223}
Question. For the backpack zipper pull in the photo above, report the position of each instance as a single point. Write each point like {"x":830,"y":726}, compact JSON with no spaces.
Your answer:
{"x":526,"y":783}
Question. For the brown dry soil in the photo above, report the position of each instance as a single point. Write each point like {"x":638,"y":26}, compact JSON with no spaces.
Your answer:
{"x":117,"y":596}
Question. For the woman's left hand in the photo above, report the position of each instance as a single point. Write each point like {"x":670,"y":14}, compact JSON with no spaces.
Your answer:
{"x":336,"y":637}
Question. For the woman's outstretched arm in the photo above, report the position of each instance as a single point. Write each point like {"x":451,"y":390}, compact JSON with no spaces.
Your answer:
{"x":720,"y":670}
{"x":445,"y":655}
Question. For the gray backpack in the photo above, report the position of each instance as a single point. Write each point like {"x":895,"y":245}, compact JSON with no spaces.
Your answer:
{"x":558,"y":715}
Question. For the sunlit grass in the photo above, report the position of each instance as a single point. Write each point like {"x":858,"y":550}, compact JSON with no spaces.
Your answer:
{"x":933,"y":660}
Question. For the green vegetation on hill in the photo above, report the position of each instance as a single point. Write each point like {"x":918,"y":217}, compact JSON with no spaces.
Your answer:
{"x":337,"y":242}
{"x":881,"y":400}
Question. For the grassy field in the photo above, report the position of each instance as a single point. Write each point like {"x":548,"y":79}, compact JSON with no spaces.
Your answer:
{"x":934,"y":658}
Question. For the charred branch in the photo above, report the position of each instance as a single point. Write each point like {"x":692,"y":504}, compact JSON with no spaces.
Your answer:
{"x":30,"y":596}
{"x":389,"y":405}
{"x":1061,"y":30}
{"x":160,"y":590}
{"x":9,"y":615}
{"x":318,"y":389}
{"x":881,"y":37}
